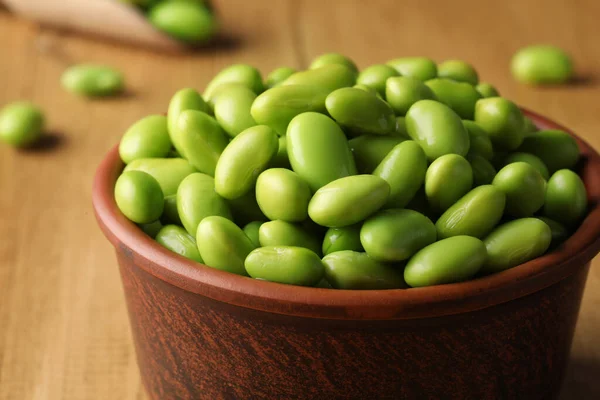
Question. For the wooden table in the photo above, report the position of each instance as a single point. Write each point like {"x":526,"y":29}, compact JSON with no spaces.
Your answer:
{"x":64,"y":332}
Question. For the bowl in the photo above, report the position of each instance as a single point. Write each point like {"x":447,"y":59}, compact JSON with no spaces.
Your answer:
{"x":202,"y":333}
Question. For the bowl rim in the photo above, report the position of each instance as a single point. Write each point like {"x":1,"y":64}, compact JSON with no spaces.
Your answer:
{"x":427,"y":302}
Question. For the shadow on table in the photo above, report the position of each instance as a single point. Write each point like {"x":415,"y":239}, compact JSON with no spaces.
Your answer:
{"x":582,"y":380}
{"x":48,"y":142}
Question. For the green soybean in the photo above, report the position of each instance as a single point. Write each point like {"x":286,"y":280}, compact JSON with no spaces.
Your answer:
{"x":139,"y":197}
{"x":361,"y":111}
{"x":448,"y":179}
{"x":437,"y":128}
{"x":168,"y":172}
{"x":487,"y":90}
{"x":558,"y":231}
{"x":480,"y":143}
{"x":151,"y":229}
{"x":357,"y":271}
{"x":344,"y":238}
{"x":400,"y":130}
{"x":401,"y":92}
{"x":246,"y":156}
{"x":285,"y":264}
{"x":223,"y":88}
{"x":147,"y":138}
{"x":458,"y":70}
{"x":530,"y":159}
{"x":243,"y":74}
{"x":333,"y":59}
{"x":524,"y":188}
{"x":188,"y":21}
{"x":541,"y":64}
{"x":232,"y":110}
{"x":281,"y":159}
{"x":557,"y":149}
{"x":370,"y":150}
{"x":367,"y":89}
{"x":223,"y":245}
{"x":278,"y":75}
{"x":376,"y":76}
{"x":395,"y":235}
{"x":516,"y":242}
{"x":403,"y":168}
{"x":348,"y":200}
{"x":21,"y":124}
{"x":282,"y":194}
{"x":502,"y":120}
{"x":251,"y":230}
{"x":92,"y":80}
{"x":450,"y":260}
{"x":176,"y":239}
{"x":475,"y":214}
{"x":329,"y":77}
{"x":483,"y":170}
{"x":459,"y":96}
{"x":170,"y":215}
{"x":282,"y":233}
{"x":278,"y":106}
{"x":197,"y":199}
{"x":530,"y":127}
{"x":417,"y":67}
{"x":318,"y":150}
{"x":182,"y":100}
{"x":245,"y":209}
{"x":566,"y":198}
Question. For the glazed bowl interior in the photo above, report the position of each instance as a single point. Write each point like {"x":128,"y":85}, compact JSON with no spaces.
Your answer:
{"x":431,"y":301}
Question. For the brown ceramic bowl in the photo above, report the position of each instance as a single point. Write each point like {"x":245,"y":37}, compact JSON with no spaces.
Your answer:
{"x":201,"y":333}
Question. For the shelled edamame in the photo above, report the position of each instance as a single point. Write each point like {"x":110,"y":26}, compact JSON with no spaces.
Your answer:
{"x":405,"y":174}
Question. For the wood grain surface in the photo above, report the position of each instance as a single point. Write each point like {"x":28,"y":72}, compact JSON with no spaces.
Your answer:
{"x":64,"y":332}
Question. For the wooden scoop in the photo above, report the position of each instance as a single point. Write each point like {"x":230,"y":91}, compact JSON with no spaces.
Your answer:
{"x":108,"y":18}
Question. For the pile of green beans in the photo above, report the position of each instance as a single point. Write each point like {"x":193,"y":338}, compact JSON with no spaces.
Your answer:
{"x":404,"y":174}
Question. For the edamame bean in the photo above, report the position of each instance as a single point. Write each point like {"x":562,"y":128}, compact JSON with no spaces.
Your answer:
{"x":524,"y":188}
{"x":530,"y":127}
{"x":487,"y":90}
{"x":395,"y":235}
{"x":404,"y":170}
{"x":170,"y":215}
{"x":92,"y":80}
{"x":318,"y":150}
{"x":437,"y":128}
{"x":483,"y":171}
{"x":197,"y":199}
{"x":278,"y":106}
{"x":220,"y":89}
{"x":401,"y":92}
{"x":329,"y":77}
{"x":367,"y":89}
{"x":480,"y":143}
{"x":188,"y":21}
{"x":285,"y":264}
{"x":251,"y":230}
{"x":376,"y":76}
{"x":151,"y":229}
{"x":418,"y":67}
{"x":344,"y":238}
{"x":246,"y":209}
{"x":458,"y":70}
{"x":361,"y":111}
{"x":566,"y":198}
{"x":558,"y":231}
{"x":459,"y":96}
{"x":147,"y":138}
{"x":201,"y":139}
{"x":282,"y":233}
{"x":451,"y":260}
{"x":243,"y":74}
{"x":530,"y":159}
{"x":516,"y":242}
{"x":223,"y":245}
{"x":475,"y":214}
{"x":352,"y":270}
{"x":21,"y":124}
{"x":557,"y":149}
{"x":176,"y":239}
{"x":281,"y":159}
{"x":348,"y":200}
{"x":370,"y":150}
{"x":448,"y":179}
{"x":502,"y":120}
{"x":278,"y":75}
{"x":168,"y":172}
{"x":246,"y":156}
{"x":333,"y":58}
{"x":232,"y":110}
{"x":541,"y":64}
{"x":282,"y":194}
{"x":400,"y":130}
{"x":139,"y":197}
{"x":184,"y":99}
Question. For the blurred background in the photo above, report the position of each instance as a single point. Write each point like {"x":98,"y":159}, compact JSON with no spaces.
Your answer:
{"x":64,"y":332}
